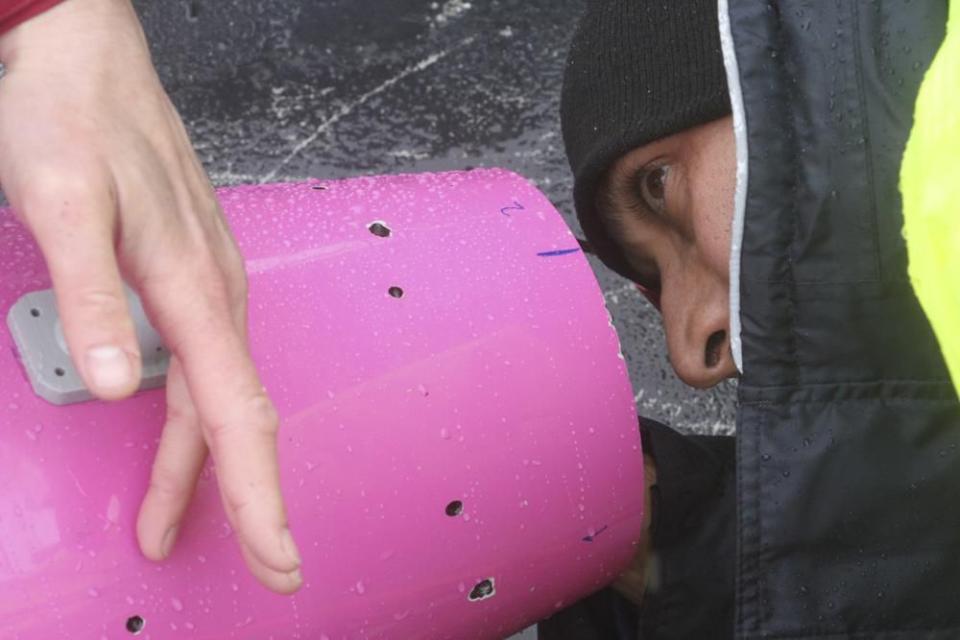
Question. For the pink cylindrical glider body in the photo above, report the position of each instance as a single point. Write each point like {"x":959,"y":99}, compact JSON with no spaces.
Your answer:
{"x":459,"y":445}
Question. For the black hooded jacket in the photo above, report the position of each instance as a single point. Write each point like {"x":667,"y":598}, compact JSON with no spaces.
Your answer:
{"x":848,"y":434}
{"x":847,"y":488}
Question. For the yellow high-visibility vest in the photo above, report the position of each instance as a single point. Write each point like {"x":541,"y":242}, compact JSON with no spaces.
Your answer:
{"x":930,"y":184}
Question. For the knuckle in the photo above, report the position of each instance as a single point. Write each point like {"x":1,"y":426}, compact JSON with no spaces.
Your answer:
{"x":179,"y":414}
{"x":192,"y":255}
{"x":50,"y":191}
{"x":203,"y":262}
{"x":234,"y":268}
{"x":255,"y":413}
{"x":167,"y":485}
{"x":237,"y":285}
{"x":238,"y":503}
{"x":99,"y":302}
{"x":184,"y":274}
{"x":263,"y":413}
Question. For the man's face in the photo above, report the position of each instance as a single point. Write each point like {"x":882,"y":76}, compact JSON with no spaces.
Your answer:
{"x":669,"y":206}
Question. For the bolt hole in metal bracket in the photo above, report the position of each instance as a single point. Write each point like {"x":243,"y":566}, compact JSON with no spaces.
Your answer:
{"x":42,"y":349}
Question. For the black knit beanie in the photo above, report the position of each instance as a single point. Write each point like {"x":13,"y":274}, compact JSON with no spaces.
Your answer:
{"x":638,"y":71}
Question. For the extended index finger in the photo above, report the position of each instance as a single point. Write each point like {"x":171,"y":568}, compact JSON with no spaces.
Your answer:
{"x":73,"y":224}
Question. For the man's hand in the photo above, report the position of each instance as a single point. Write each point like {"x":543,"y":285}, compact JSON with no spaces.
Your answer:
{"x":97,"y":164}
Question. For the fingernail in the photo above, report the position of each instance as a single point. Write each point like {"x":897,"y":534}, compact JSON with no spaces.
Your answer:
{"x":166,"y":545}
{"x":109,"y":367}
{"x":296,"y":577}
{"x":290,"y":547}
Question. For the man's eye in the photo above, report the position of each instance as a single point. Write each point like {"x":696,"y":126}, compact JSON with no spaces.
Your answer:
{"x":653,"y":186}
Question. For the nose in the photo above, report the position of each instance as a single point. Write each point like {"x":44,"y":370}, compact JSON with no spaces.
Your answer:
{"x":697,"y":322}
{"x":705,"y":362}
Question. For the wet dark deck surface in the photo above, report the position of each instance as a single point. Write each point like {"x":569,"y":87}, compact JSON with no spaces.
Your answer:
{"x":277,"y":90}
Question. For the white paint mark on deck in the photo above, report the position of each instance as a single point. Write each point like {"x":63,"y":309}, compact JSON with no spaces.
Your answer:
{"x":348,"y":108}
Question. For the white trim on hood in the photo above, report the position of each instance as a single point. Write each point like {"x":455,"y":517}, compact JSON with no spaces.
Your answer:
{"x":740,"y":195}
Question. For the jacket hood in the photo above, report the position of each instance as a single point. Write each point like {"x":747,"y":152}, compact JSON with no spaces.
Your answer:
{"x":848,"y":427}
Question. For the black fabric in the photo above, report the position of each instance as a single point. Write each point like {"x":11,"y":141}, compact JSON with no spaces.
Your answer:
{"x":637,"y":71}
{"x":604,"y":615}
{"x":690,"y":594}
{"x":691,"y":590}
{"x":848,"y":430}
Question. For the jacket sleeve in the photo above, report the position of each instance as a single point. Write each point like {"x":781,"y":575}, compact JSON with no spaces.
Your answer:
{"x":13,"y":12}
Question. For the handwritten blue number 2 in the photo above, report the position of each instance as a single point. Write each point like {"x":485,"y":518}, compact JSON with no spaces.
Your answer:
{"x":516,"y":206}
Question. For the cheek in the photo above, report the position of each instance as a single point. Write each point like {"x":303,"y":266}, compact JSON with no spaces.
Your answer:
{"x":646,"y":244}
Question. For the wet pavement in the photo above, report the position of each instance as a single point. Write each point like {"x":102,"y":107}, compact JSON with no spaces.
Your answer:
{"x":275,"y":90}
